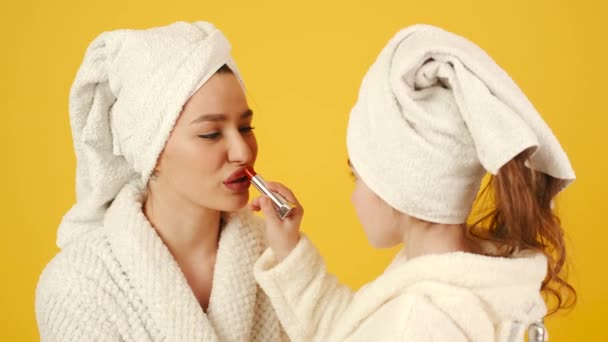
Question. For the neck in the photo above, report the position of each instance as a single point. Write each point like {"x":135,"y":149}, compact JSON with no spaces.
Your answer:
{"x":186,"y":228}
{"x":422,"y":238}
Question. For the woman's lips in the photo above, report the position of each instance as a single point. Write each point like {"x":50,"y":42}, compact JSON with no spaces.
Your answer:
{"x":239,"y":185}
{"x":238,"y":174}
{"x":238,"y":181}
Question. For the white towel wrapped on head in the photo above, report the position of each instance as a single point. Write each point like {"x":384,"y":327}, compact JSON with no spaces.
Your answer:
{"x":124,"y":102}
{"x":434,"y":113}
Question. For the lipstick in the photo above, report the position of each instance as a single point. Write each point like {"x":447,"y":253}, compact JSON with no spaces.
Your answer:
{"x":281,"y":205}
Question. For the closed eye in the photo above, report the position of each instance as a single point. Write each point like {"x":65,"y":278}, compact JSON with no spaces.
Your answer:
{"x":211,"y":136}
{"x":217,"y":135}
{"x":246,"y":129}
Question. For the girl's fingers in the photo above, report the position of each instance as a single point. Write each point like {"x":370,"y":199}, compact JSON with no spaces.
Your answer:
{"x":268,"y":209}
{"x":283,"y":191}
{"x":254,"y":205}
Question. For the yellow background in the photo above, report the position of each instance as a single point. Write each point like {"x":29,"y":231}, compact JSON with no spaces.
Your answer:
{"x":303,"y":62}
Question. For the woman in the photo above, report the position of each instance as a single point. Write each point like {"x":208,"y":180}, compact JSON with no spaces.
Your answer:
{"x":155,"y":248}
{"x":435,"y":113}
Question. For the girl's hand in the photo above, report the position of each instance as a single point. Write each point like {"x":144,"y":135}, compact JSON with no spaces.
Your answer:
{"x":283,"y":235}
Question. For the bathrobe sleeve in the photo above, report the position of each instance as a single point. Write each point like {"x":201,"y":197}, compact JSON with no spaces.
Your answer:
{"x":313,"y":306}
{"x":308,"y":300}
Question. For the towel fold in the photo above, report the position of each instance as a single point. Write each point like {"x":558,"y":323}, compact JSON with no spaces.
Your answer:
{"x":434,"y":113}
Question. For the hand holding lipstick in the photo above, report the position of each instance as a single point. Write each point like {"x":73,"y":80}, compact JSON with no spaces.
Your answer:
{"x":283,"y":233}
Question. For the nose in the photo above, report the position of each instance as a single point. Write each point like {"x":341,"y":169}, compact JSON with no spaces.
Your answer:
{"x":241,"y":149}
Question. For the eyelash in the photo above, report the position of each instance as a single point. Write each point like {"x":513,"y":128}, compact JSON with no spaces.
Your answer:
{"x":216,"y":135}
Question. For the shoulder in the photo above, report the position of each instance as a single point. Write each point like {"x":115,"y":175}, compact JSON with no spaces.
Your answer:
{"x":76,"y":259}
{"x":78,"y":266}
{"x":422,"y":320}
{"x":70,"y":292}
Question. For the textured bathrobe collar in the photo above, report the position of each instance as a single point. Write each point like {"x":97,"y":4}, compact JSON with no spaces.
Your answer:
{"x":159,"y":282}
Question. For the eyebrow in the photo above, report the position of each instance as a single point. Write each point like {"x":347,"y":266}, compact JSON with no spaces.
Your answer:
{"x":219,"y":117}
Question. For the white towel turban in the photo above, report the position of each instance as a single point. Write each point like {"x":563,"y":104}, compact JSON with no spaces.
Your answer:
{"x":124,"y":103}
{"x":434,"y":113}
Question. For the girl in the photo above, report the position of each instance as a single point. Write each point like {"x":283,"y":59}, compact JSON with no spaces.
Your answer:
{"x":434,"y":114}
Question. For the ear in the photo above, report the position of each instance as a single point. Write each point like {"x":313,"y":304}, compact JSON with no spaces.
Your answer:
{"x":159,"y":163}
{"x":157,"y":168}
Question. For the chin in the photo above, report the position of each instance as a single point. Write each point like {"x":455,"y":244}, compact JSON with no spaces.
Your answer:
{"x":381,"y":242}
{"x":380,"y":245}
{"x":222,"y":201}
{"x":235,"y":202}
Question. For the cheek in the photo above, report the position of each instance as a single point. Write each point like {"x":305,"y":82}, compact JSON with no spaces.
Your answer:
{"x":364,"y":205}
{"x":375,"y":216}
{"x":252,"y":142}
{"x":191,"y":160}
{"x":208,"y":159}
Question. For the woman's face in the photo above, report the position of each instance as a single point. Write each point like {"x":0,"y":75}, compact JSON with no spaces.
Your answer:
{"x":212,"y":142}
{"x":379,"y":220}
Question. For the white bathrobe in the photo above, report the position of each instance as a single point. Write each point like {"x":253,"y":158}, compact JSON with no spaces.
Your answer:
{"x":120,"y":283}
{"x":446,"y":297}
